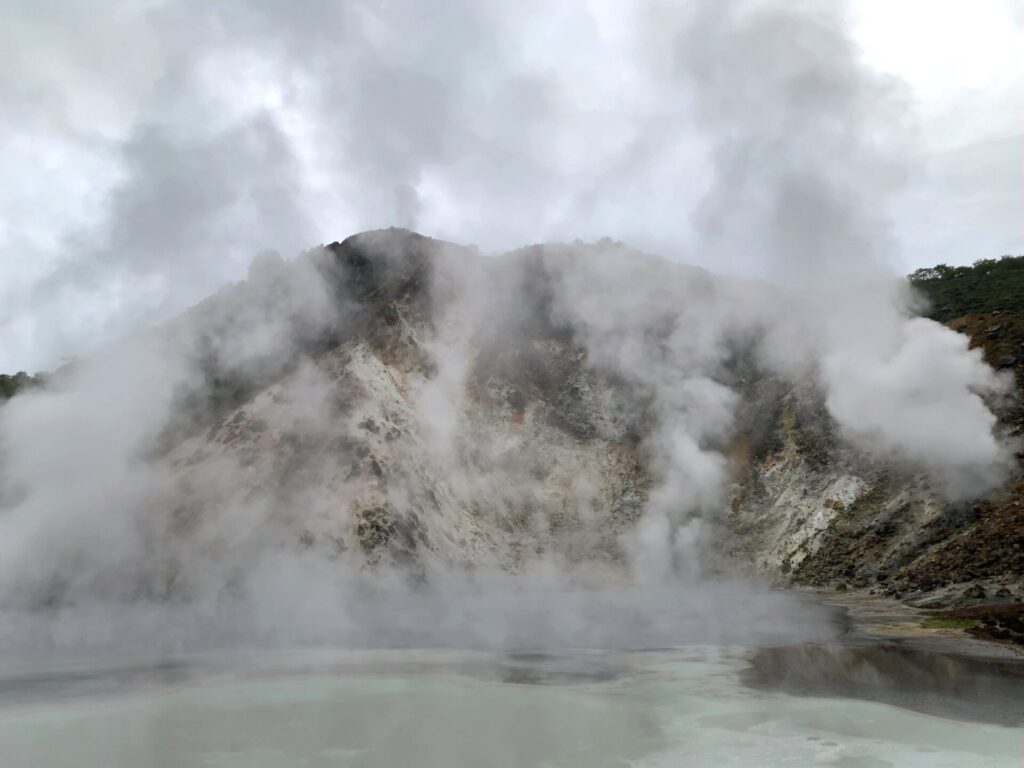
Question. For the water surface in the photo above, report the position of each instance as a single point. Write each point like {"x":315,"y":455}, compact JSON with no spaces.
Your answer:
{"x":703,"y":705}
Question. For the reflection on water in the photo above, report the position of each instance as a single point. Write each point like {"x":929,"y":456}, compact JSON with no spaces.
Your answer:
{"x":32,"y":687}
{"x":449,"y":708}
{"x":937,"y":683}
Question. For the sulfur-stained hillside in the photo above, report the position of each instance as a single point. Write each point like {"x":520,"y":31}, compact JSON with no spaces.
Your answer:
{"x":397,"y":404}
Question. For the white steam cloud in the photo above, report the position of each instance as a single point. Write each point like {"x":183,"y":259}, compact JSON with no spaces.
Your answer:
{"x":157,"y":145}
{"x":395,"y":441}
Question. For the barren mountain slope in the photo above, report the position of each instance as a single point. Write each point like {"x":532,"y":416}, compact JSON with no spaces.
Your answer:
{"x":393,"y":400}
{"x":546,"y":455}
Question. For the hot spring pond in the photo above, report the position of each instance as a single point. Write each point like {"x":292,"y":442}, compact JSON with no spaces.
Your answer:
{"x":699,"y":706}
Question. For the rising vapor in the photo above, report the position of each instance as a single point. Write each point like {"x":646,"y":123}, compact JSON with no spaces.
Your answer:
{"x":526,"y":442}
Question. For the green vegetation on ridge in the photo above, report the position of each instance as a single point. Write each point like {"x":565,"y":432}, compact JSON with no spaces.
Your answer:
{"x":12,"y":385}
{"x":988,"y":285}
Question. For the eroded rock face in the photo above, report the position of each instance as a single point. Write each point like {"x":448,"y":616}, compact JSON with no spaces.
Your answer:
{"x":396,"y":402}
{"x":373,"y":446}
{"x":418,"y":426}
{"x":809,"y":511}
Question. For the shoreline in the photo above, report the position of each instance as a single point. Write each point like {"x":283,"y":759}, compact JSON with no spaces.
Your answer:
{"x":876,"y":618}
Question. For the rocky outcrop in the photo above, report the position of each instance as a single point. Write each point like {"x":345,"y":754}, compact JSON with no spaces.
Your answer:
{"x":345,"y":448}
{"x":808,"y":511}
{"x":397,"y":402}
{"x":350,"y":447}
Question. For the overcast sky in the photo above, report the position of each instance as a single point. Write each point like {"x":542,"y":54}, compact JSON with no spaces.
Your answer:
{"x":149,"y":149}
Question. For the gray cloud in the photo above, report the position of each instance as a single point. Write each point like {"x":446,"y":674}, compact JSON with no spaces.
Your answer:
{"x":807,"y":142}
{"x":171,"y":143}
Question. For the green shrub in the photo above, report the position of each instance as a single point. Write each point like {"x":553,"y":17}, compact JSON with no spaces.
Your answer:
{"x":12,"y":385}
{"x":987,"y":285}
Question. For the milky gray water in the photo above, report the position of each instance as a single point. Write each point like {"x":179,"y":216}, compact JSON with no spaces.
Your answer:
{"x":692,"y":707}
